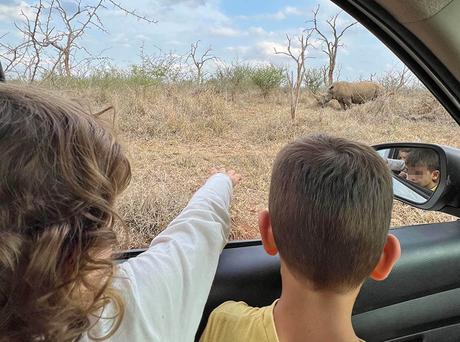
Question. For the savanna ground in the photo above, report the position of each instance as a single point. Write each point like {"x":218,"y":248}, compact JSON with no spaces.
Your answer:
{"x":175,"y":134}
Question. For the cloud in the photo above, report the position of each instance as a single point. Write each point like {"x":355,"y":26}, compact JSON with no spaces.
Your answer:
{"x":187,"y":2}
{"x":289,"y":10}
{"x":279,"y":15}
{"x":315,"y":43}
{"x":259,"y":31}
{"x":13,"y":10}
{"x":225,"y":31}
{"x":240,"y":50}
{"x":179,"y":25}
{"x":142,"y":37}
{"x":268,"y":48}
{"x":120,"y":38}
{"x":284,"y":13}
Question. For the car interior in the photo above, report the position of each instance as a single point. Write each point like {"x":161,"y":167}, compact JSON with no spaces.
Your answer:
{"x":422,"y":18}
{"x":420,"y":301}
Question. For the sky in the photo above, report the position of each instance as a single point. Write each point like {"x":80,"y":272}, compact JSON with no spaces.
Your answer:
{"x":236,"y":30}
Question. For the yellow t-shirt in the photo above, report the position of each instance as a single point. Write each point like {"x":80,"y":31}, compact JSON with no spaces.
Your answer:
{"x":236,"y":321}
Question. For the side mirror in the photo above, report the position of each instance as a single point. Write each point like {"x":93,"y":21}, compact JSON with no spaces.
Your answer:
{"x":425,"y":176}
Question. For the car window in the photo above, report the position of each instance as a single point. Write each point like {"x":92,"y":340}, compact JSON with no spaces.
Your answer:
{"x":189,"y":85}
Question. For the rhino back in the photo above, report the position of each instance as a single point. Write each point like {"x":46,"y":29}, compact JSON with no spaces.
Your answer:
{"x":364,"y":91}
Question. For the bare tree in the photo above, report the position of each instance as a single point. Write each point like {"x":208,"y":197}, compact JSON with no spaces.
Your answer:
{"x":395,"y":80}
{"x":404,"y":77}
{"x":14,"y":55}
{"x":324,"y":71}
{"x":2,"y":74}
{"x":52,"y":36}
{"x":199,"y":61}
{"x":331,"y":41}
{"x":298,"y":55}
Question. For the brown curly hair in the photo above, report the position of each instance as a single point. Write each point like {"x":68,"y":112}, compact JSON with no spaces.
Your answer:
{"x":60,"y":172}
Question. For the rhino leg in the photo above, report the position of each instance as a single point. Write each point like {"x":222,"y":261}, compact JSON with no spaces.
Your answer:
{"x":347,"y":103}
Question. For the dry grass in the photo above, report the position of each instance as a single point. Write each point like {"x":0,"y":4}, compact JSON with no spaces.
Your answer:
{"x":174,"y":135}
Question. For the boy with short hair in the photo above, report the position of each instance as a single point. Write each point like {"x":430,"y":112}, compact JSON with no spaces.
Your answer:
{"x":329,"y":213}
{"x":423,"y":168}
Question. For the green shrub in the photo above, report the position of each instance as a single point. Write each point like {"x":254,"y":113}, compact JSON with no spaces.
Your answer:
{"x":268,"y":78}
{"x":313,"y":79}
{"x":234,"y":78}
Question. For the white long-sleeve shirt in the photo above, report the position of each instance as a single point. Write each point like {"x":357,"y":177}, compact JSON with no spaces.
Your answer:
{"x":166,"y":287}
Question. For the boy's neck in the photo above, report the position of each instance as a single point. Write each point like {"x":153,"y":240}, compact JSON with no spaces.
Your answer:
{"x":305,"y":315}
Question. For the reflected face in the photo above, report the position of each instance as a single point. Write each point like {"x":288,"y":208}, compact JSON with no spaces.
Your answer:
{"x":403,"y":155}
{"x":421,"y":176}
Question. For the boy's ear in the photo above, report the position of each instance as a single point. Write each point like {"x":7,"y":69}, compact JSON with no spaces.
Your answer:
{"x":266,"y":233}
{"x":435,"y":175}
{"x":391,"y":253}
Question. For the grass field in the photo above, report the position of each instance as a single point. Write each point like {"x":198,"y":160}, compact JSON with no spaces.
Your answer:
{"x":174,"y":135}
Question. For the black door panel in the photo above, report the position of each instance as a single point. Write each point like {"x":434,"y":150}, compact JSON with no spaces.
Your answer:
{"x":430,"y":263}
{"x":411,"y":317}
{"x":449,"y":333}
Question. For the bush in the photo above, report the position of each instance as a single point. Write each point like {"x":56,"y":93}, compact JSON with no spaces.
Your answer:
{"x":234,"y":78}
{"x":157,"y":68}
{"x":313,"y":79}
{"x":268,"y":78}
{"x":104,"y":77}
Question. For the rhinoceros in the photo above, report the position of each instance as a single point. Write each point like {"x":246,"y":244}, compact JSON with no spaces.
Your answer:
{"x":347,"y":93}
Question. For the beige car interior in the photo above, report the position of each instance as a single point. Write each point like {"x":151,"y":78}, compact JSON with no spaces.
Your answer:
{"x":428,"y":19}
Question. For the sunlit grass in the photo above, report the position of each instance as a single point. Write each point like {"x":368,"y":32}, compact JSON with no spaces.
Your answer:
{"x":175,"y":133}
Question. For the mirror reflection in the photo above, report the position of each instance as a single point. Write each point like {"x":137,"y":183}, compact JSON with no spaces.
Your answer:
{"x":416,"y":172}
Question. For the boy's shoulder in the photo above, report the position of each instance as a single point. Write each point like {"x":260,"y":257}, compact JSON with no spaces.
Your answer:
{"x":232,"y":319}
{"x":232,"y":308}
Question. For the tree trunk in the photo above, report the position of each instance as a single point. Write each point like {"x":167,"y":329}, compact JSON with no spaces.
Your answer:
{"x":199,"y":75}
{"x":67,"y":63}
{"x":294,"y":100}
{"x":2,"y":74}
{"x":332,"y":58}
{"x":296,"y":89}
{"x":330,"y":71}
{"x":330,"y":76}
